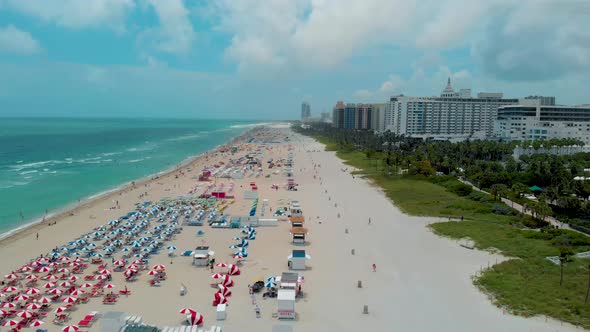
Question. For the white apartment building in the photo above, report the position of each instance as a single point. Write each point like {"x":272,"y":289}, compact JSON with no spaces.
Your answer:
{"x":532,"y":121}
{"x":452,"y":115}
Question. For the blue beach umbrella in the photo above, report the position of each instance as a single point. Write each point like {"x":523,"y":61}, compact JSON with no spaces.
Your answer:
{"x":171,"y":248}
{"x":126,"y":249}
{"x":97,"y":254}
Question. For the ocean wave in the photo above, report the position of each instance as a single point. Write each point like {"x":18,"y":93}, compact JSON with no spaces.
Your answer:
{"x":142,"y":148}
{"x":32,"y":165}
{"x":107,"y":154}
{"x":11,"y":184}
{"x":188,"y":137}
{"x":248,"y":125}
{"x":27,"y":172}
{"x":137,"y":160}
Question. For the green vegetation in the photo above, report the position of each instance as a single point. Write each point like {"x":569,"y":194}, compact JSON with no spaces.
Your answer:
{"x":528,"y":284}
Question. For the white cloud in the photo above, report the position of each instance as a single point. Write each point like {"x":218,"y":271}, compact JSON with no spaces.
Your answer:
{"x":175,"y":33}
{"x":75,"y":13}
{"x":16,"y":41}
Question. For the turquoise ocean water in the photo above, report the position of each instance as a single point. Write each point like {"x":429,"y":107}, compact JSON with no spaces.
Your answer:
{"x":48,"y":163}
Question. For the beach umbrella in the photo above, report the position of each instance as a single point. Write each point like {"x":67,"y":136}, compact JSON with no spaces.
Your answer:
{"x":126,"y":249}
{"x":2,"y":295}
{"x":11,"y":276}
{"x":51,"y":277}
{"x":108,"y":249}
{"x":97,"y":254}
{"x":33,"y":291}
{"x":137,"y":261}
{"x":133,"y":267}
{"x":86,"y":285}
{"x":26,"y":268}
{"x":153,"y":273}
{"x":56,"y":291}
{"x":32,"y":277}
{"x":219,"y":299}
{"x":78,"y":292}
{"x":49,"y":285}
{"x":73,"y":278}
{"x":25,"y":314}
{"x":53,"y":264}
{"x":195,"y":318}
{"x":74,"y":264}
{"x":129,"y":272}
{"x":227,"y":281}
{"x":8,"y":305}
{"x":108,"y":286}
{"x":10,"y":323}
{"x":224,"y":290}
{"x":44,"y":269}
{"x":65,"y":259}
{"x":70,"y":299}
{"x":270,"y":284}
{"x":145,"y":249}
{"x":44,"y":300}
{"x":63,"y":270}
{"x":218,"y":276}
{"x":3,"y":312}
{"x":119,"y":262}
{"x":159,"y":267}
{"x":37,"y":323}
{"x":221,"y":265}
{"x":187,"y":311}
{"x":101,"y":277}
{"x":59,"y":310}
{"x":113,"y":222}
{"x":172,"y":248}
{"x":21,"y":297}
{"x":71,"y":328}
{"x":9,"y":289}
{"x":65,"y":284}
{"x":135,"y":244}
{"x":234,"y":271}
{"x":138,"y":256}
{"x":104,"y":271}
{"x":92,"y":245}
{"x":43,"y":260}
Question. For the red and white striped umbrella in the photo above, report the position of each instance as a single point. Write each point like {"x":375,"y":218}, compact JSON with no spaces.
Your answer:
{"x":65,"y":259}
{"x":224,"y":290}
{"x":43,"y":260}
{"x":104,"y":271}
{"x":119,"y":262}
{"x":11,"y":276}
{"x":70,"y":299}
{"x":44,"y":269}
{"x":2,"y":295}
{"x":52,"y":277}
{"x":55,"y":291}
{"x":21,"y":297}
{"x":159,"y":267}
{"x":71,"y":328}
{"x":59,"y":310}
{"x":8,"y":305}
{"x":33,"y":306}
{"x":227,"y":281}
{"x":74,"y":264}
{"x":35,"y":264}
{"x":137,"y":261}
{"x":221,"y":265}
{"x":26,"y":268}
{"x":187,"y":311}
{"x":109,"y":286}
{"x":11,"y":323}
{"x":65,"y":284}
{"x":44,"y":300}
{"x":3,"y":312}
{"x":195,"y":318}
{"x":37,"y":322}
{"x":238,"y":257}
{"x":219,"y":299}
{"x":153,"y":272}
{"x":9,"y":289}
{"x":133,"y":267}
{"x":50,"y":284}
{"x":73,"y":278}
{"x":87,"y":285}
{"x":218,"y":276}
{"x":101,"y":277}
{"x":33,"y":291}
{"x":53,"y":264}
{"x":234,"y":271}
{"x":78,"y":292}
{"x":32,"y":277}
{"x":25,"y":314}
{"x":63,"y":270}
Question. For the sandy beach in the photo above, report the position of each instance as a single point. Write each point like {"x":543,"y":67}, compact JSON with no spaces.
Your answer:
{"x":421,"y":283}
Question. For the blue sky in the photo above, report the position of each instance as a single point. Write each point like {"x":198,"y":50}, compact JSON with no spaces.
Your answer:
{"x":260,"y":59}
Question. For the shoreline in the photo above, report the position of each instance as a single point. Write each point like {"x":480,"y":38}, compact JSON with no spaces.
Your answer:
{"x":71,"y":208}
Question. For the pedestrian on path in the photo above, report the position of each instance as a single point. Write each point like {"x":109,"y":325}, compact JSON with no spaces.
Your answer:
{"x":374,"y":267}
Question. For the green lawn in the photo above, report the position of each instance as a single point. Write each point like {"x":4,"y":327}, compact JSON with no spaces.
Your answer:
{"x":527,"y":285}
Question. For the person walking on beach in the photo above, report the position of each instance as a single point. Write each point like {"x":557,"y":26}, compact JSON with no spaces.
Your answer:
{"x":369,"y":220}
{"x":37,"y":236}
{"x":374,"y":267}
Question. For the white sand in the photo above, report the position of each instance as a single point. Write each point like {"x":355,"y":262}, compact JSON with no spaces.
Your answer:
{"x":422,"y":281}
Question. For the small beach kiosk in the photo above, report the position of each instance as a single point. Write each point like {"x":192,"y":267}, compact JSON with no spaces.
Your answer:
{"x":288,"y":284}
{"x":297,"y":259}
{"x":201,"y":256}
{"x":297,"y":221}
{"x":298,"y":234}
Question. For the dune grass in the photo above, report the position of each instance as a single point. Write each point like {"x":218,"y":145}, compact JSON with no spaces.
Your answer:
{"x":527,"y":285}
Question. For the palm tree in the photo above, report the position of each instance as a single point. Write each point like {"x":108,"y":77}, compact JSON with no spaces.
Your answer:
{"x":564,"y":254}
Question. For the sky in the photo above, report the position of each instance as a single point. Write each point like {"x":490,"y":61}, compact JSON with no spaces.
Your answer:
{"x":259,"y":59}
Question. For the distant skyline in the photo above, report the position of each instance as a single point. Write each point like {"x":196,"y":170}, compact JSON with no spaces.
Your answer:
{"x":246,"y":59}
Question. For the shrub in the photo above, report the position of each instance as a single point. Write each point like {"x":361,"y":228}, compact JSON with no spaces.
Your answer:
{"x":502,"y":209}
{"x":478,"y":196}
{"x":461,"y":189}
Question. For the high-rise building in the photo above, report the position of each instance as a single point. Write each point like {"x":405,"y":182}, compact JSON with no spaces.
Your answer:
{"x":305,"y":111}
{"x":452,"y":114}
{"x":355,"y":116}
{"x":532,"y":122}
{"x":544,"y":100}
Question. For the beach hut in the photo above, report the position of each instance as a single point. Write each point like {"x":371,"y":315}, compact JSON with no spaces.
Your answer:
{"x":286,"y":304}
{"x":297,"y":221}
{"x":299,"y":234}
{"x":297,"y":259}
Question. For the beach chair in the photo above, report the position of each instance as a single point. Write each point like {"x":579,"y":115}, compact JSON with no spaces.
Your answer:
{"x":195,"y":328}
{"x":166,"y":329}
